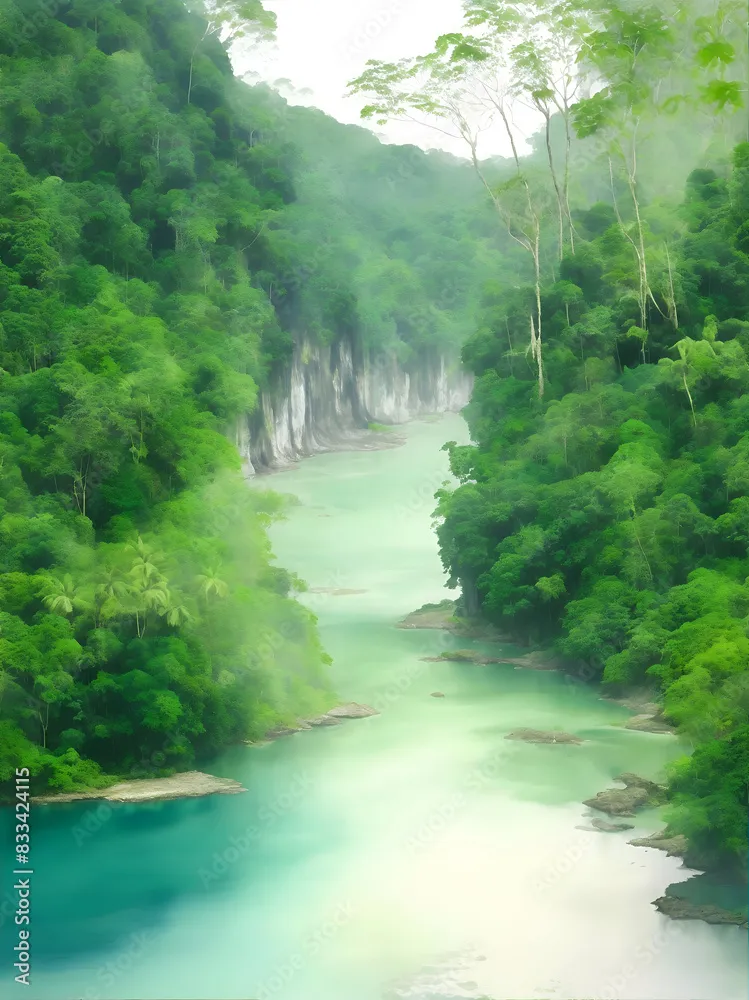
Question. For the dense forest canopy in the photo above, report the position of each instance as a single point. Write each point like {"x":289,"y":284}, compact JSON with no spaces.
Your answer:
{"x":603,"y":505}
{"x":167,"y":235}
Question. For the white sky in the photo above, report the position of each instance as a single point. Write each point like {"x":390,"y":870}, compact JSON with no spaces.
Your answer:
{"x":322,"y":44}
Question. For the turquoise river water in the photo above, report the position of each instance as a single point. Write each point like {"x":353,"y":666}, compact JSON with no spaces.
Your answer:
{"x":414,"y":854}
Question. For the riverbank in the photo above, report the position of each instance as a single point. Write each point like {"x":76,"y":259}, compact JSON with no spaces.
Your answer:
{"x":334,"y":717}
{"x":442,"y":616}
{"x":196,"y":784}
{"x":185,"y":785}
{"x":647,"y":716}
{"x":369,"y":439}
{"x":636,"y":794}
{"x":393,"y":837}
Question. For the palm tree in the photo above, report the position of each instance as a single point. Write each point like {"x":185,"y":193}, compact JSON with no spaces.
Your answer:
{"x":148,"y":596}
{"x":144,"y":566}
{"x":175,"y":614}
{"x":110,"y":590}
{"x":63,"y":596}
{"x":210,"y":583}
{"x":111,"y":585}
{"x":149,"y":590}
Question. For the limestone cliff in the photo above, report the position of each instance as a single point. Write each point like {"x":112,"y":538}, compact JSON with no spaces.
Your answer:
{"x":329,"y":393}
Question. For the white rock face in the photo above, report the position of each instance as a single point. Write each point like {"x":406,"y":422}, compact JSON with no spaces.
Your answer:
{"x":328,"y":395}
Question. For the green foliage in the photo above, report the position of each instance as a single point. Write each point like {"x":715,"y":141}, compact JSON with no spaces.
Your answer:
{"x":711,"y":799}
{"x":614,"y":518}
{"x":142,"y":621}
{"x":168,"y":237}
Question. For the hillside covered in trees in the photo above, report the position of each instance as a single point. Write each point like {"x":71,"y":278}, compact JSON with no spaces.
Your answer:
{"x":603,"y":506}
{"x":166,"y":232}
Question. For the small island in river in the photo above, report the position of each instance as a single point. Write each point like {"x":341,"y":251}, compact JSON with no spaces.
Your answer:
{"x":539,"y":736}
{"x":638,"y":793}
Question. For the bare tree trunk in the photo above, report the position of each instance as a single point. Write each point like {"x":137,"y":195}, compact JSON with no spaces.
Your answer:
{"x":689,"y":397}
{"x":673,"y":313}
{"x":189,"y":85}
{"x":536,"y":334}
{"x":537,"y":357}
{"x":642,"y":293}
{"x":550,"y":157}
{"x":567,"y":154}
{"x":644,"y":286}
{"x":642,"y":550}
{"x":531,"y":242}
{"x":45,"y":726}
{"x":208,"y":30}
{"x":642,"y":256}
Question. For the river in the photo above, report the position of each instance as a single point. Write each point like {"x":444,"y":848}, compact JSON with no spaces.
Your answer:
{"x":415,"y":851}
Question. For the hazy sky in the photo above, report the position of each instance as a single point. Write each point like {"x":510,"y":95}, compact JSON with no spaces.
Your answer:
{"x":322,"y":44}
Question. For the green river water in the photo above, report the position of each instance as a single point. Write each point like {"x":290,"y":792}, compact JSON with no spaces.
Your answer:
{"x":413,"y":854}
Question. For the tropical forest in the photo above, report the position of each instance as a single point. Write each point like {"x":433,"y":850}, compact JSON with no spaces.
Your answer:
{"x":301,"y":423}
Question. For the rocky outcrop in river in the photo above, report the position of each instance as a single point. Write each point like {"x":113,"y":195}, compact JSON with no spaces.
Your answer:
{"x":637,"y":794}
{"x":675,"y":846}
{"x":187,"y":785}
{"x":685,"y":909}
{"x":334,"y":717}
{"x":540,"y":736}
{"x":646,"y":723}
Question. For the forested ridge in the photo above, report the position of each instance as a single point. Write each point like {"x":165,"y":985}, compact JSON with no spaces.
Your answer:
{"x":166,"y":234}
{"x":603,"y":506}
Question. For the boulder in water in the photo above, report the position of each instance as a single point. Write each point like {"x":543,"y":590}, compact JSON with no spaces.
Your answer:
{"x":675,"y":846}
{"x":649,"y":724}
{"x":353,"y":710}
{"x":637,"y":794}
{"x":539,"y":736}
{"x":325,"y":720}
{"x":605,"y":827}
{"x":274,"y":734}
